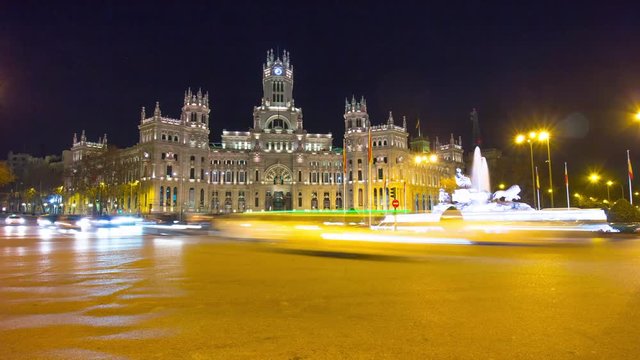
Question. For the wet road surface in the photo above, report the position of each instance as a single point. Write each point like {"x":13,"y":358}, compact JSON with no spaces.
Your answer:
{"x":70,"y":296}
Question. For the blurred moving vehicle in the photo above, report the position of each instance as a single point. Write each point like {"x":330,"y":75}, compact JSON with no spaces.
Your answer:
{"x":47,"y":220}
{"x":14,"y":219}
{"x":107,"y":221}
{"x":72,"y":222}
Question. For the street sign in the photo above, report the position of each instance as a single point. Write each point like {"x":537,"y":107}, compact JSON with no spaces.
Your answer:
{"x":395,"y":203}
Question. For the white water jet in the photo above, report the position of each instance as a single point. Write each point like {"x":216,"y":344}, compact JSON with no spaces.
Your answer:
{"x":480,"y":172}
{"x":485,"y":183}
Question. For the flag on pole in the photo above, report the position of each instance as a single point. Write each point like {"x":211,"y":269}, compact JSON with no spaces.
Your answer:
{"x":370,"y":148}
{"x":630,"y":169}
{"x":418,"y":127}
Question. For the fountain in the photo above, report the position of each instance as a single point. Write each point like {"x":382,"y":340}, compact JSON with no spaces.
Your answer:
{"x":474,"y":201}
{"x":474,"y":194}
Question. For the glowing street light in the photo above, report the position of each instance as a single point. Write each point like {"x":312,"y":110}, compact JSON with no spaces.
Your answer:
{"x":609,"y":183}
{"x":433,"y":158}
{"x":520,"y":139}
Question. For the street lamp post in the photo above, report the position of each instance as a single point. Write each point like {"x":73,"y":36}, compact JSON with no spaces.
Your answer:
{"x":609,"y":183}
{"x":519,"y":140}
{"x":545,"y":136}
{"x":594,"y":178}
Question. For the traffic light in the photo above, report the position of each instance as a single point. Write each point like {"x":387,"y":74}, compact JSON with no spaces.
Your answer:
{"x":392,"y":192}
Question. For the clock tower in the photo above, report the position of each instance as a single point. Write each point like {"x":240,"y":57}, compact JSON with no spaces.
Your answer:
{"x":277,"y":80}
{"x":277,"y":110}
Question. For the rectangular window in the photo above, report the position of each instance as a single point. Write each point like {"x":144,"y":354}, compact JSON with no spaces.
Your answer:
{"x":192,"y":173}
{"x":299,"y":176}
{"x":201,"y":174}
{"x":241,"y":177}
{"x":380,"y":174}
{"x":169,"y":171}
{"x":359,"y":175}
{"x":257,"y":176}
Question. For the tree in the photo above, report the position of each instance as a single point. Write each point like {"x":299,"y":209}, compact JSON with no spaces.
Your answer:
{"x":448,"y":184}
{"x":623,"y":211}
{"x":6,"y":175}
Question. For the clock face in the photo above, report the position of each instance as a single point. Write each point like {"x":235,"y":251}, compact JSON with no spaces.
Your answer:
{"x":277,"y":70}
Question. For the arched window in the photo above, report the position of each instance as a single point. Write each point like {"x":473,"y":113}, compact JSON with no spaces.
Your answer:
{"x":161,"y":195}
{"x":175,"y":196}
{"x":278,"y":123}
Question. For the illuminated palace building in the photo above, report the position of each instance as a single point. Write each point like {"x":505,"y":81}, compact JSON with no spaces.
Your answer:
{"x":275,"y":165}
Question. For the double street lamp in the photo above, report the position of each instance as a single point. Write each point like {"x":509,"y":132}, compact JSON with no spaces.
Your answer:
{"x":520,"y":139}
{"x":532,"y":136}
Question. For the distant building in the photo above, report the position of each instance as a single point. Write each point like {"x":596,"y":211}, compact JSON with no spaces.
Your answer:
{"x":274,"y":165}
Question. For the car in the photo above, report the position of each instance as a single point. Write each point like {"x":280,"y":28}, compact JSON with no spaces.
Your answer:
{"x":14,"y":219}
{"x":72,"y":222}
{"x":47,"y":220}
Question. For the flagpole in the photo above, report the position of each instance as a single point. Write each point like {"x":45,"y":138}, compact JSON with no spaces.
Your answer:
{"x":566,"y":183}
{"x":630,"y":177}
{"x":538,"y":188}
{"x":344,"y":176}
{"x":370,"y":162}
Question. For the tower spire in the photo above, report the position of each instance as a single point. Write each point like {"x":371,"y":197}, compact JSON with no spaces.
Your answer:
{"x":142,"y":115}
{"x":390,"y":119}
{"x":156,"y":112}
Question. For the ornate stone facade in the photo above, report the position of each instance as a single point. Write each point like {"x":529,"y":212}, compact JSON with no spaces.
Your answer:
{"x":275,"y":165}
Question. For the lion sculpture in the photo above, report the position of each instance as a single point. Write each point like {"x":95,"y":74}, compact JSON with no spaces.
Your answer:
{"x":509,"y":195}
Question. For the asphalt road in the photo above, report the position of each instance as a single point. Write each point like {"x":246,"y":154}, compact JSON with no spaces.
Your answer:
{"x":79,"y":296}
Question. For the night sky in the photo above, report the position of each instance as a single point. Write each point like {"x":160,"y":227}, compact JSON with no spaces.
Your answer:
{"x":91,"y":65}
